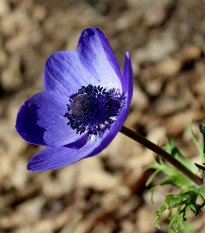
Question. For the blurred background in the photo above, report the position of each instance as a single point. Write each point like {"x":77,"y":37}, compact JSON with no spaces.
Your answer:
{"x":106,"y":193}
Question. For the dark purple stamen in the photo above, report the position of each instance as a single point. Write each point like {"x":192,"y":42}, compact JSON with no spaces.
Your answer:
{"x":94,"y":109}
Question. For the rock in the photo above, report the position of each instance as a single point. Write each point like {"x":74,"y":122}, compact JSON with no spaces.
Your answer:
{"x":92,"y":175}
{"x":169,"y":67}
{"x":11,"y":75}
{"x":4,"y":7}
{"x":159,"y":48}
{"x":39,"y":13}
{"x":190,"y":53}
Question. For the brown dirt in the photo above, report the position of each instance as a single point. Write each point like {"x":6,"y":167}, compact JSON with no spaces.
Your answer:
{"x":106,"y":193}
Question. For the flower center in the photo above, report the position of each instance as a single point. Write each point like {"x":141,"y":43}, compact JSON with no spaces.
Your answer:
{"x":94,"y":109}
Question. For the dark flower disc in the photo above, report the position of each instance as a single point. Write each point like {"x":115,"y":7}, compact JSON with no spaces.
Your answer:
{"x":93,"y":109}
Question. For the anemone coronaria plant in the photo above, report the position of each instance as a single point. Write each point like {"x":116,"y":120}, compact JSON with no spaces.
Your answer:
{"x":84,"y":104}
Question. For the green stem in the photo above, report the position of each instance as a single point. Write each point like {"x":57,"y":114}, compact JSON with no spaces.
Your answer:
{"x":156,"y":149}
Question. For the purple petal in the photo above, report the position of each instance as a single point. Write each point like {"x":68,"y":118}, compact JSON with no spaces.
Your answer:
{"x":41,"y":120}
{"x":52,"y":158}
{"x":127,"y":77}
{"x":98,"y":58}
{"x":94,"y":63}
{"x":64,"y":73}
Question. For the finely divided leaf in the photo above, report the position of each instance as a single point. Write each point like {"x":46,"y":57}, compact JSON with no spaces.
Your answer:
{"x":179,"y":205}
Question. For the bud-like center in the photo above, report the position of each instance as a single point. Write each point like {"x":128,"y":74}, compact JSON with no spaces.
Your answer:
{"x":83,"y":104}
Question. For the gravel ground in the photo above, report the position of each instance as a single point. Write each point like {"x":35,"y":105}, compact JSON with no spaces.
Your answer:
{"x":106,"y":193}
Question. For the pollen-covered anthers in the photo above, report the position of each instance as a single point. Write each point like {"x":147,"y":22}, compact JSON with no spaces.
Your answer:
{"x":93,"y":109}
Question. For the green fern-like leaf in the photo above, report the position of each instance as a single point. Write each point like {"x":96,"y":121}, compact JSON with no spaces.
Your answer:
{"x":179,"y":205}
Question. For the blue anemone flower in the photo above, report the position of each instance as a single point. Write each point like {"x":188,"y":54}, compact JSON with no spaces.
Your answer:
{"x":85,"y":102}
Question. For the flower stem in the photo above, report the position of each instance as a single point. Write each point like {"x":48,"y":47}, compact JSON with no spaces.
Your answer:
{"x":158,"y":150}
